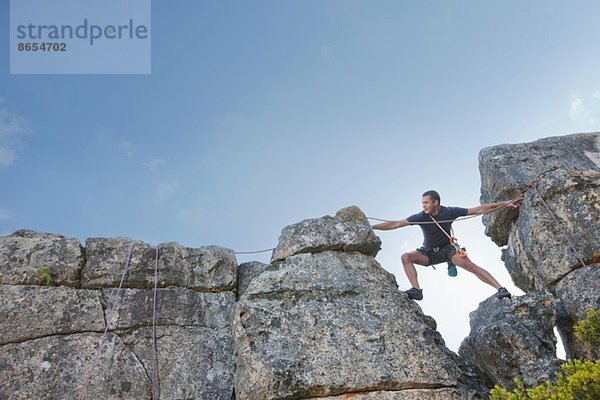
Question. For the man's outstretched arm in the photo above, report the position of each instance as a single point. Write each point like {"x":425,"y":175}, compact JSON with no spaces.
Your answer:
{"x":389,"y":225}
{"x":485,"y":208}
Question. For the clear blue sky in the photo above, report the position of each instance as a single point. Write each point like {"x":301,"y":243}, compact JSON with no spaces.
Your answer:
{"x":259,"y":114}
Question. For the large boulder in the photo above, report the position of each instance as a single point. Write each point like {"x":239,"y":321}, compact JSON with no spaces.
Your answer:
{"x":332,"y":323}
{"x":514,"y":338}
{"x":349,"y":230}
{"x":208,"y":268}
{"x":538,"y":256}
{"x":508,"y":170}
{"x":35,"y":258}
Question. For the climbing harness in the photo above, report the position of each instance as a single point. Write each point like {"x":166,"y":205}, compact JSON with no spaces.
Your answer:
{"x":453,"y":241}
{"x":461,"y":252}
{"x":90,"y":371}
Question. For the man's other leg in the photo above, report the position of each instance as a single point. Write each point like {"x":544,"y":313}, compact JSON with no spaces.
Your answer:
{"x":408,"y":262}
{"x":479,"y":272}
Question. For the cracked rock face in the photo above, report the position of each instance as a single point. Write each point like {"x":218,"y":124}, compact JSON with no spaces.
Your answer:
{"x":332,"y":323}
{"x":54,"y":367}
{"x":49,"y":335}
{"x":177,"y":306}
{"x":514,"y":338}
{"x":208,"y":268}
{"x":194,"y":362}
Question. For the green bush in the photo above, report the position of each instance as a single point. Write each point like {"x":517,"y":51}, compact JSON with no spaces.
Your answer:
{"x":578,"y":380}
{"x":588,"y":329}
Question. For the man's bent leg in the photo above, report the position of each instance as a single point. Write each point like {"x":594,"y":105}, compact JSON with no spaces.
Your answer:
{"x":479,"y":272}
{"x":408,"y":262}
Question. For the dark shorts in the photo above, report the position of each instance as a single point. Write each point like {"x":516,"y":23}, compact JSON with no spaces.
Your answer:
{"x":438,"y":255}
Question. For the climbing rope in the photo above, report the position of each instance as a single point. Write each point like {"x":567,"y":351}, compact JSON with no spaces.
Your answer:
{"x":90,"y":371}
{"x":254,"y":252}
{"x":154,"y":350}
{"x":559,"y":223}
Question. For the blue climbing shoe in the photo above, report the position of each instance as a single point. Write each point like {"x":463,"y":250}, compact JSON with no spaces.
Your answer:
{"x":452,"y":271}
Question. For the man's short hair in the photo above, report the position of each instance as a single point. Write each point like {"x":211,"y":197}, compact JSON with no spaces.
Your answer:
{"x":434,"y":195}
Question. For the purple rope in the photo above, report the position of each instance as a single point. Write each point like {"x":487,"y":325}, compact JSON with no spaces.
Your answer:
{"x":154,"y":352}
{"x":534,"y":184}
{"x":90,"y":371}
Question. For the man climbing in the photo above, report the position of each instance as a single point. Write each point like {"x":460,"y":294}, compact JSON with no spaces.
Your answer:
{"x":436,"y":221}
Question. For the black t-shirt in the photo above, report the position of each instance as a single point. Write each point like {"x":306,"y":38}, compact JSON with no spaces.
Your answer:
{"x":432,"y":235}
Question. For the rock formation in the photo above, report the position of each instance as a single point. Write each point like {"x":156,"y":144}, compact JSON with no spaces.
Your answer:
{"x":538,"y":255}
{"x":49,"y":335}
{"x":331,"y":323}
{"x":348,"y":231}
{"x":514,"y":338}
{"x":323,"y":320}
